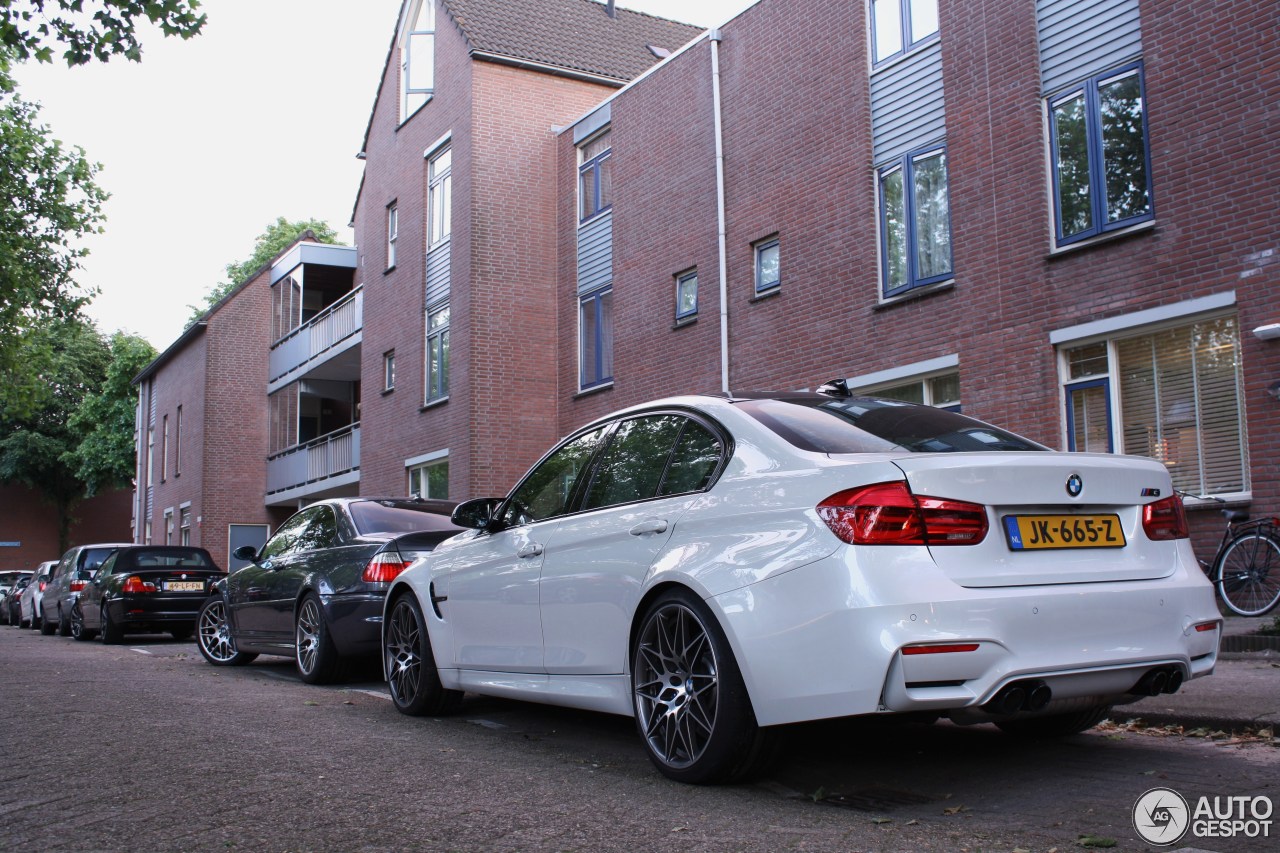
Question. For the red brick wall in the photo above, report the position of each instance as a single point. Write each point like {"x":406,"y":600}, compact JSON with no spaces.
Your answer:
{"x":26,"y":518}
{"x":179,"y":382}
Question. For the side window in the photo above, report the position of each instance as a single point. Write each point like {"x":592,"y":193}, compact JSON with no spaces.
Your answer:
{"x":546,"y":492}
{"x":631,"y":467}
{"x":286,"y":536}
{"x":694,"y":463}
{"x":109,"y":566}
{"x":322,"y":532}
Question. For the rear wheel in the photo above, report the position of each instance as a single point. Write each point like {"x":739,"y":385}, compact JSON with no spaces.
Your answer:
{"x":46,"y":627}
{"x":410,"y":664}
{"x":213,"y":636}
{"x":112,"y":633}
{"x":692,"y":707}
{"x":1248,"y":573}
{"x":64,"y":623}
{"x":1056,"y":725}
{"x":314,"y":652}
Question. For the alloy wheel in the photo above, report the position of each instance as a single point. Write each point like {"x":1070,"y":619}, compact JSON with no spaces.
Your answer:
{"x":308,"y":635}
{"x":215,"y":633}
{"x":404,"y":664}
{"x":676,"y":685}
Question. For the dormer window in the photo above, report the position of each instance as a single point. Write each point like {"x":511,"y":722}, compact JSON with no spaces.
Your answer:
{"x":417,"y":57}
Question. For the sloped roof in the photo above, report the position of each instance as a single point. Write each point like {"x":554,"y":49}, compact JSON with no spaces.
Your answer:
{"x":577,"y":35}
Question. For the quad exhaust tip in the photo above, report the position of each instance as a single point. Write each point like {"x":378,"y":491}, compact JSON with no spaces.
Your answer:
{"x":1156,"y":681}
{"x":1029,"y":695}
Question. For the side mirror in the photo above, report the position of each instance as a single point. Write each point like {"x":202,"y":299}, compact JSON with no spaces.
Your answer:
{"x":476,"y":514}
{"x":246,"y":552}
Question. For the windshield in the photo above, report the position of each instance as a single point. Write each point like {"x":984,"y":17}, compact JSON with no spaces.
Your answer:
{"x":373,"y":517}
{"x":872,"y":425}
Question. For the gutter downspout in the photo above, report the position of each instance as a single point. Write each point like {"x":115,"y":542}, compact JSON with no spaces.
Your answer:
{"x":715,"y":38}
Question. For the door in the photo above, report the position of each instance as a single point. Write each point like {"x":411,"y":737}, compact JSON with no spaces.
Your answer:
{"x":254,"y":592}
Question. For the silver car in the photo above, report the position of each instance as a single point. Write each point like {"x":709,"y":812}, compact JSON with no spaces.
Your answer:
{"x":29,"y":603}
{"x":76,"y":568}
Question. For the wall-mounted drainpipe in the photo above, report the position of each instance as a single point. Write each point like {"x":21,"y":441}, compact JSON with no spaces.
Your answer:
{"x":720,"y":215}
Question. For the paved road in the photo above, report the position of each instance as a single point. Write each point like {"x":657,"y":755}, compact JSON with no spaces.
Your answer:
{"x":147,"y":747}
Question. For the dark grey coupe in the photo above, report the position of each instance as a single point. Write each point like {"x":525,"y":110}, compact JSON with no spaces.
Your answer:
{"x":315,"y":591}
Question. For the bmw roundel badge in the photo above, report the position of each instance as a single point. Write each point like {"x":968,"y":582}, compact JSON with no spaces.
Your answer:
{"x":1075,"y":485}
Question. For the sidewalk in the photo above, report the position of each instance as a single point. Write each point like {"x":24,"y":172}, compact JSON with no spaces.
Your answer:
{"x":1244,"y":690}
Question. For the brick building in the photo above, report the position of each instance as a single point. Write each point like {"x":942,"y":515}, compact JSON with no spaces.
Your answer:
{"x":29,"y":525}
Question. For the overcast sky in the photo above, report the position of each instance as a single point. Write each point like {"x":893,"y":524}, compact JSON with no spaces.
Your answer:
{"x":205,"y":142}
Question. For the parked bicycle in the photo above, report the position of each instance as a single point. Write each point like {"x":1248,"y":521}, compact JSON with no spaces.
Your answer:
{"x":1246,"y":569}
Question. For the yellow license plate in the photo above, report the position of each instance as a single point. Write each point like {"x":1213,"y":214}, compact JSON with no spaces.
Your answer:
{"x":1034,"y":532}
{"x":184,"y":586}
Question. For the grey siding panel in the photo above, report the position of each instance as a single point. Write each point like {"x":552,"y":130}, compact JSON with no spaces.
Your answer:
{"x":438,"y":275}
{"x":1079,"y":38}
{"x":907,"y":104}
{"x":595,"y":253}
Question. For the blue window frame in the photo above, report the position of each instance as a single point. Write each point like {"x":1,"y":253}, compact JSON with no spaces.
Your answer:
{"x":915,"y":221}
{"x":595,"y":330}
{"x":1100,"y":159}
{"x":687,"y":295}
{"x":595,"y":177}
{"x":1089,"y":427}
{"x":899,"y":26}
{"x":768,"y":265}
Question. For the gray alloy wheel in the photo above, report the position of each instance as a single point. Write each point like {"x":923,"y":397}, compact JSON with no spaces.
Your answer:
{"x":410,"y":666}
{"x":213,"y":636}
{"x":692,"y":707}
{"x":315,"y":654}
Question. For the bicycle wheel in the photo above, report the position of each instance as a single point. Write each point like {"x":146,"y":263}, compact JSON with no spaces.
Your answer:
{"x":1248,"y":573}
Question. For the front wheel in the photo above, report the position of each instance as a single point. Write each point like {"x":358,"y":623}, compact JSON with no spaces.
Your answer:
{"x":213,"y":636}
{"x":78,"y":630}
{"x":691,"y":705}
{"x":410,"y":664}
{"x":1248,"y":573}
{"x":314,"y":652}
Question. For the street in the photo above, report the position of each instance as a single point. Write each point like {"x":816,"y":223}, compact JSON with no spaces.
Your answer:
{"x":145,"y":746}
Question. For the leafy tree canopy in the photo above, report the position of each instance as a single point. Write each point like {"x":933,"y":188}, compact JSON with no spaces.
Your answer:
{"x":103,"y":456}
{"x":279,"y":236}
{"x":91,"y":29}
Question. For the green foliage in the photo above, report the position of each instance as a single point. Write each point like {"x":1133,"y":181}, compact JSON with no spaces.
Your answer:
{"x":51,"y":201}
{"x":91,"y":29}
{"x":278,"y":236}
{"x":104,"y":456}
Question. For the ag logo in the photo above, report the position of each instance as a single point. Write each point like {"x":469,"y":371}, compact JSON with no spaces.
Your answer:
{"x":1161,"y":816}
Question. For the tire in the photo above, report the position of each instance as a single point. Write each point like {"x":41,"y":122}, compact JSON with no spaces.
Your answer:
{"x":410,"y":665}
{"x":1248,"y":573}
{"x":691,"y":705}
{"x":1056,"y":725}
{"x":214,"y":637}
{"x":78,"y":630}
{"x":46,"y":627}
{"x":314,"y":651}
{"x":64,"y":623}
{"x":112,"y":633}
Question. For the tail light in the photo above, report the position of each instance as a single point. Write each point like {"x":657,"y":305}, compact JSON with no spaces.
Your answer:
{"x":1165,"y":519}
{"x":384,"y":567}
{"x":133,"y":583}
{"x":43,"y":584}
{"x":76,"y":586}
{"x":889,"y":514}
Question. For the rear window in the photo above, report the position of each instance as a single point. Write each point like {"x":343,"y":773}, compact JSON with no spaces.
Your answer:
{"x":871,"y":425}
{"x":373,"y":517}
{"x":168,"y":558}
{"x":93,"y":558}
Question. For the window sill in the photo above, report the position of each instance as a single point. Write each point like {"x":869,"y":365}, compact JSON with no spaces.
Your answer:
{"x":386,"y":391}
{"x":916,"y":293}
{"x":594,"y":389}
{"x":389,"y":270}
{"x":766,"y":294}
{"x":1102,"y":239}
{"x":681,"y":322}
{"x":431,"y":404}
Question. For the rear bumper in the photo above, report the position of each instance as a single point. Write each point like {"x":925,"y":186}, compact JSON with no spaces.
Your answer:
{"x":827,"y":639}
{"x":355,"y":622}
{"x":158,"y":609}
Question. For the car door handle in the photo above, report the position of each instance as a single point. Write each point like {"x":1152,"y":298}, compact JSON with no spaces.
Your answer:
{"x":652,"y":525}
{"x":533,"y":549}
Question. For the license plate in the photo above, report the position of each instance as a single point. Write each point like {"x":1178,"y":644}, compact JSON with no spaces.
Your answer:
{"x":184,"y":586}
{"x":1035,"y":532}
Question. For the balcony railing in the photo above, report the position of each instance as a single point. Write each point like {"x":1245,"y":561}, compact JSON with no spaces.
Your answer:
{"x":318,"y":460}
{"x":314,"y":338}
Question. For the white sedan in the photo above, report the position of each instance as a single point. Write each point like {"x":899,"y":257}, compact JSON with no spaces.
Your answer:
{"x":717,"y":567}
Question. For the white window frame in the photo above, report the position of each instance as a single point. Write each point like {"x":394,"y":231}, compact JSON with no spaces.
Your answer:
{"x":922,"y":372}
{"x":393,"y":233}
{"x":439,"y":197}
{"x":417,"y":53}
{"x":422,"y":463}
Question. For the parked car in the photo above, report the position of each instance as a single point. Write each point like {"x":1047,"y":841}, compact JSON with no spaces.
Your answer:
{"x":76,"y":568}
{"x":717,"y":567}
{"x":145,"y":589}
{"x":29,"y":604}
{"x":315,"y":590}
{"x":11,"y":586}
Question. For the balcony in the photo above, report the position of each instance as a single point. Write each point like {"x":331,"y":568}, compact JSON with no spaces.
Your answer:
{"x":326,"y":346}
{"x":327,"y":466}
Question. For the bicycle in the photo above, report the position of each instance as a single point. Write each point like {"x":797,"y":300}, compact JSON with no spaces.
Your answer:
{"x":1246,"y":569}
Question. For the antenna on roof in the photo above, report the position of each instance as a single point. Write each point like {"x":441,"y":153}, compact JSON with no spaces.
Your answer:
{"x":608,"y":8}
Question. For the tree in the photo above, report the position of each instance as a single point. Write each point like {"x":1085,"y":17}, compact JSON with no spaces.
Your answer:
{"x":104,"y":457}
{"x":91,"y":29}
{"x":52,"y":202}
{"x":36,"y":439}
{"x":279,"y":236}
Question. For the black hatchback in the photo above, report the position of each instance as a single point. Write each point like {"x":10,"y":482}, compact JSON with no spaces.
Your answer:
{"x":145,"y":588}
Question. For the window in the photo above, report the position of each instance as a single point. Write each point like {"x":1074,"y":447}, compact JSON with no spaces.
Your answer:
{"x":595,"y":177}
{"x":168,"y":527}
{"x":549,"y":489}
{"x":184,"y":526}
{"x":687,"y":295}
{"x":942,"y":391}
{"x":430,"y":480}
{"x":595,"y":329}
{"x":146,"y":536}
{"x":393,"y":231}
{"x":915,"y":222}
{"x":177,"y":444}
{"x":287,"y":535}
{"x":437,"y":353}
{"x":389,"y":370}
{"x":898,"y":26}
{"x":1098,"y":139}
{"x":632,"y":465}
{"x":417,"y":58}
{"x":151,"y":454}
{"x":768,"y":276}
{"x":1173,"y":394}
{"x":439,"y":183}
{"x":164,"y":448}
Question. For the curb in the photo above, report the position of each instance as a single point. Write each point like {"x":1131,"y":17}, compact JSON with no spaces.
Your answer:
{"x":1250,"y":643}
